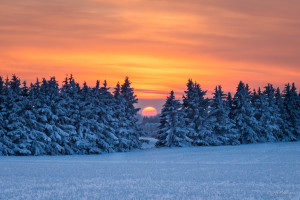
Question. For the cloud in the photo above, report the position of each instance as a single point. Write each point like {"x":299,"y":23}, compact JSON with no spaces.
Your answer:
{"x":159,"y":43}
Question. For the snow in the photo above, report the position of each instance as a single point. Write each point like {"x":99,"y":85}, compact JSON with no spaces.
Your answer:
{"x":253,"y":171}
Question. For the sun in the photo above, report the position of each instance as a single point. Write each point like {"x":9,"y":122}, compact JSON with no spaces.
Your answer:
{"x":149,"y":111}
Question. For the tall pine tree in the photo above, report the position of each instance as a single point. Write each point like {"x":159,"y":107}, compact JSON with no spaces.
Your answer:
{"x":223,"y":131}
{"x":195,"y":105}
{"x":172,"y":129}
{"x":243,"y":115}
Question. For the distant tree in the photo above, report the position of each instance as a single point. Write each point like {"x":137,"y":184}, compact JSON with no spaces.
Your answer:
{"x":172,"y":129}
{"x":150,"y":119}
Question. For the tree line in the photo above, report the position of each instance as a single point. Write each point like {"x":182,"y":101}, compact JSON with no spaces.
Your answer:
{"x":45,"y":119}
{"x":246,"y":117}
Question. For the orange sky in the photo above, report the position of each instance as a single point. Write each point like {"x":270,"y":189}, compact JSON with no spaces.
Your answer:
{"x":159,"y":44}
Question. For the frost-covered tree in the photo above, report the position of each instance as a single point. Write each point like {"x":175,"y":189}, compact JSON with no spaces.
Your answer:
{"x":286,"y":130}
{"x":132,"y":131}
{"x":195,"y":105}
{"x":223,"y":131}
{"x":51,"y":116}
{"x":243,"y":115}
{"x":68,"y":113}
{"x":98,"y":127}
{"x":4,"y":149}
{"x":291,"y":104}
{"x":270,"y":119}
{"x":88,"y":127}
{"x":172,"y":128}
{"x":17,"y":138}
{"x":106,"y":102}
{"x":120,"y":121}
{"x":229,"y":101}
{"x":264,"y":115}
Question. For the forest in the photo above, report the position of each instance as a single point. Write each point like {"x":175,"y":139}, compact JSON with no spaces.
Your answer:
{"x":226,"y":119}
{"x":47,"y":119}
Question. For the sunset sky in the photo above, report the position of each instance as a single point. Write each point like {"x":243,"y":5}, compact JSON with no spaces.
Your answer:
{"x":159,"y":44}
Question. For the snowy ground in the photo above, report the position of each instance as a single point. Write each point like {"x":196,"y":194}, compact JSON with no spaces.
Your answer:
{"x":258,"y":171}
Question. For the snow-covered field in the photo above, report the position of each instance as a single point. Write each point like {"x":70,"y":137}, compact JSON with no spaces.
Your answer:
{"x":256,"y":171}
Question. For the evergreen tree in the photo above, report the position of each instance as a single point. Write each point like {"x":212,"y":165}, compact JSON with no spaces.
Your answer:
{"x":286,"y":131}
{"x":270,"y":119}
{"x":98,"y":126}
{"x":222,"y":126}
{"x":87,"y":125}
{"x":133,"y":132}
{"x":30,"y":114}
{"x":120,"y":121}
{"x":291,"y":104}
{"x":50,"y":117}
{"x":17,"y":132}
{"x":172,"y":131}
{"x":229,"y":101}
{"x":196,"y":108}
{"x":106,"y":102}
{"x":68,"y":113}
{"x":243,"y":115}
{"x":3,"y":148}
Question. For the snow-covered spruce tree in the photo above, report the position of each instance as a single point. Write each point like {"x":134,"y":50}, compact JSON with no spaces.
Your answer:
{"x":49,"y":113}
{"x":222,"y":126}
{"x":120,"y":121}
{"x":172,"y":128}
{"x":256,"y":103}
{"x":88,"y":127}
{"x":17,"y":132}
{"x":270,"y":119}
{"x":243,"y":115}
{"x":196,"y":108}
{"x":133,"y":131}
{"x":291,"y":104}
{"x":267,"y":114}
{"x":229,"y":101}
{"x":29,"y":120}
{"x":106,"y":102}
{"x":68,"y":113}
{"x":4,"y":149}
{"x":98,"y":126}
{"x":263,"y":114}
{"x":38,"y":138}
{"x":286,"y":130}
